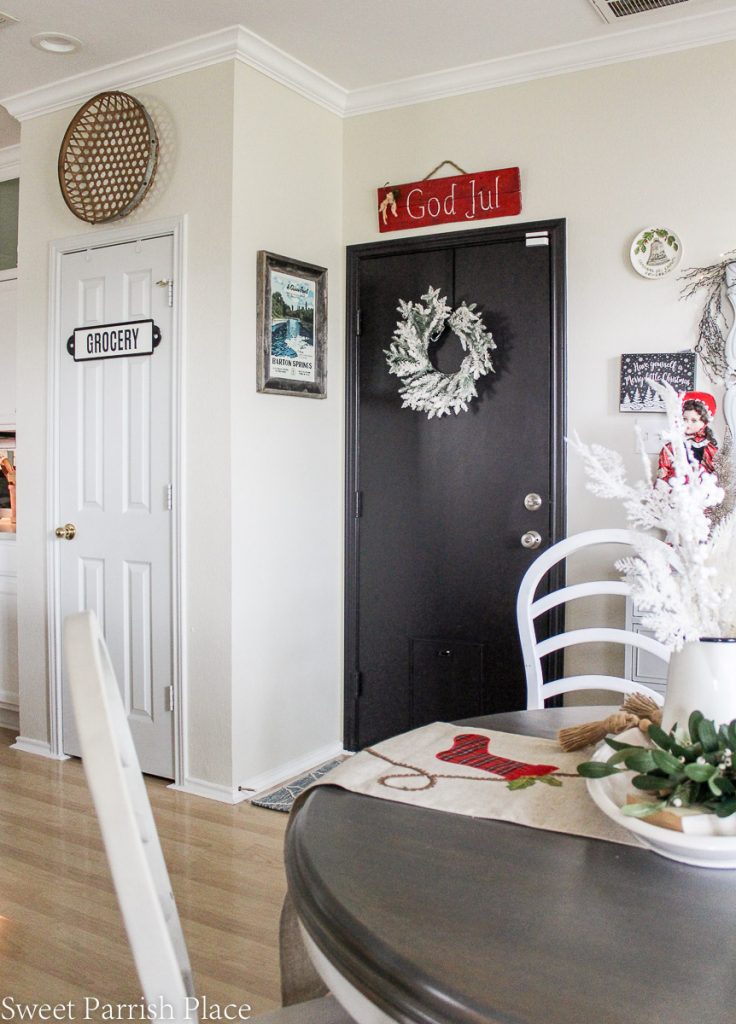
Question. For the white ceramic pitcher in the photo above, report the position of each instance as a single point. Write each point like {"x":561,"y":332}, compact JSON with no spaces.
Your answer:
{"x":702,"y":677}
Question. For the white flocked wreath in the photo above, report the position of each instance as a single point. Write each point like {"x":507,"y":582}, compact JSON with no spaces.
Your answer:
{"x":423,"y":387}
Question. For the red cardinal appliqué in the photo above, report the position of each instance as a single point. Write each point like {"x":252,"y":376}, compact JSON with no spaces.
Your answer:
{"x":472,"y":749}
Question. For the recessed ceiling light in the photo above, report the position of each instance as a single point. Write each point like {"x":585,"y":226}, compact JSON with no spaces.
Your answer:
{"x":56,"y":42}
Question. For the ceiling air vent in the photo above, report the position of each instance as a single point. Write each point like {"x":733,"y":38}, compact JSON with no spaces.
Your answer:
{"x":7,"y":19}
{"x":612,"y":10}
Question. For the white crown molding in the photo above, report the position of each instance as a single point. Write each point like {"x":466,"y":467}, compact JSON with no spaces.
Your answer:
{"x":150,"y":67}
{"x":238,"y":43}
{"x":632,"y":44}
{"x":9,"y":162}
{"x":235,"y":43}
{"x":282,"y":67}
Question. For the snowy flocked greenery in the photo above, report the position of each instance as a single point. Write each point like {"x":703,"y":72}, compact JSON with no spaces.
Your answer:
{"x":423,"y":387}
{"x":685,"y":589}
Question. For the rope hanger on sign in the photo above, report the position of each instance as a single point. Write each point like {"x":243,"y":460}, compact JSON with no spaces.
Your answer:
{"x":434,"y":171}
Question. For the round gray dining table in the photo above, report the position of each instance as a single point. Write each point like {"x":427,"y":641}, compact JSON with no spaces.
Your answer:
{"x":443,"y":918}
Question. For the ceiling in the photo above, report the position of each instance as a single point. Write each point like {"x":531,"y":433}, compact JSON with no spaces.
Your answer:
{"x":355,"y":44}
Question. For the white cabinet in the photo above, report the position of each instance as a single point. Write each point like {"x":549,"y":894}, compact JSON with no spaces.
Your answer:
{"x":641,"y":666}
{"x":8,"y":633}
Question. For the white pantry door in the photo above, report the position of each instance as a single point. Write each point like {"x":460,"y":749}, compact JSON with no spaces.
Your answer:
{"x":115,"y":458}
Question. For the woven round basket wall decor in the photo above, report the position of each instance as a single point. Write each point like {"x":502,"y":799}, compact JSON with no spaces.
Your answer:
{"x":108,"y":158}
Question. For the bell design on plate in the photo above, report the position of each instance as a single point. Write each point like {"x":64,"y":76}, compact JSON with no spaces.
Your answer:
{"x":657,"y":254}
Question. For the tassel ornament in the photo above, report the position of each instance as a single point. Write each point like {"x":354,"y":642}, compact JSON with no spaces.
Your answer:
{"x":643,"y":706}
{"x":637,"y":710}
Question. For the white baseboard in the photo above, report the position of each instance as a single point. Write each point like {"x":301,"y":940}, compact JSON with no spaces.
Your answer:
{"x":37,"y":747}
{"x":198,"y":787}
{"x":257,"y":784}
{"x":9,"y":717}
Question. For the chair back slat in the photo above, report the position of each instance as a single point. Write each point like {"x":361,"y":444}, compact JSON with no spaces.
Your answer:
{"x":131,"y":840}
{"x":614,"y":684}
{"x":605,"y":635}
{"x":529,"y":608}
{"x":578,"y":590}
{"x":128,"y":828}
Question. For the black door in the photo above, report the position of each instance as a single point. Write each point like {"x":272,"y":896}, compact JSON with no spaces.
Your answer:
{"x":436,"y":507}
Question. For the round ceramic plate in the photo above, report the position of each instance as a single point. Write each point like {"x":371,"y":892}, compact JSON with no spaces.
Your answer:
{"x":655,"y":252}
{"x":702,"y":851}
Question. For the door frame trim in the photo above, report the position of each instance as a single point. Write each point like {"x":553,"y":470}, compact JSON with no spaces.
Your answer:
{"x":556,"y":230}
{"x":176,"y":227}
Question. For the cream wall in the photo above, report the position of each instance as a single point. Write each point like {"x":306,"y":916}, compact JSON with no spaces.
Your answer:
{"x":287,"y":451}
{"x":612,"y":150}
{"x":251,"y":165}
{"x":193,"y":115}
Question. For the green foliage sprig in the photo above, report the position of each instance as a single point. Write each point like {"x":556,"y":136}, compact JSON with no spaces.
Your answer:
{"x":693,"y":769}
{"x":648,"y":236}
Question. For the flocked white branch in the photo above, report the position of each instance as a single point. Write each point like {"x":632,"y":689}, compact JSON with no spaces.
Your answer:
{"x":686,"y":591}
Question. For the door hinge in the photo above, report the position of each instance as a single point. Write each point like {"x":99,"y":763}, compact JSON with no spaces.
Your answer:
{"x":358,"y":504}
{"x":537,"y":238}
{"x":167,"y":283}
{"x":168,"y":698}
{"x":169,"y":497}
{"x":358,"y":320}
{"x":358,"y":684}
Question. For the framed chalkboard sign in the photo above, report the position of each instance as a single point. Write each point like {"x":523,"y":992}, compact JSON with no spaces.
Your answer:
{"x":675,"y":368}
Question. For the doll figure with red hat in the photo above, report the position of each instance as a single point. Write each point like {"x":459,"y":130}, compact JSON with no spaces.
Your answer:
{"x":698,"y":409}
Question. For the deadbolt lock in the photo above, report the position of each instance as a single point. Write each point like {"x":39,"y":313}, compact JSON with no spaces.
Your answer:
{"x":67,"y":532}
{"x":532,"y":502}
{"x":531,"y":539}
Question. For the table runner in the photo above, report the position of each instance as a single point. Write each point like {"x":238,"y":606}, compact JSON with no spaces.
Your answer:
{"x":481,"y":773}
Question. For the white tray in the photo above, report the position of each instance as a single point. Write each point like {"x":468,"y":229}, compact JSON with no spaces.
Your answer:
{"x":710,"y":851}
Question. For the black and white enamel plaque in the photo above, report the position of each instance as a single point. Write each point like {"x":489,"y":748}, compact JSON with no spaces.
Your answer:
{"x":114,"y":341}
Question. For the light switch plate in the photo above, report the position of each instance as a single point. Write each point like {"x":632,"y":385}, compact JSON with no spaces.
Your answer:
{"x":649,"y":438}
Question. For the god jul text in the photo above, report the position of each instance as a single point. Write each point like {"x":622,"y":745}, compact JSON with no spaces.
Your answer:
{"x":464,"y":197}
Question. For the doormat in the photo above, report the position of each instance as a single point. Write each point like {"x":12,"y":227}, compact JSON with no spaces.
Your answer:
{"x":281,"y":799}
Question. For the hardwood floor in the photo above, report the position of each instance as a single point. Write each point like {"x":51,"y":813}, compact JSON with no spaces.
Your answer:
{"x":61,"y":935}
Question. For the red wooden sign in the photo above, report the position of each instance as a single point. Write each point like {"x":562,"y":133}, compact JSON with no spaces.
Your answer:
{"x":463,"y":197}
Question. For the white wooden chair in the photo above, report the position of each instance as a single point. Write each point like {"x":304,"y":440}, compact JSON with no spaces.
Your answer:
{"x":131,"y":840}
{"x":528,"y":611}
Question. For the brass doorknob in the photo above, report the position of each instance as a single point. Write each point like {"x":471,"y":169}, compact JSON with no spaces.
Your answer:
{"x":67,"y":532}
{"x":531,"y":539}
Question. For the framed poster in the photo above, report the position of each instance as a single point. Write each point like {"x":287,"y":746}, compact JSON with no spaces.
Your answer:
{"x":675,"y":368}
{"x":292,"y":327}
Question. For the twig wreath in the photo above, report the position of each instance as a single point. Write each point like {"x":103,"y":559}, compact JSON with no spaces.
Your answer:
{"x":713,"y":327}
{"x":424,"y":388}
